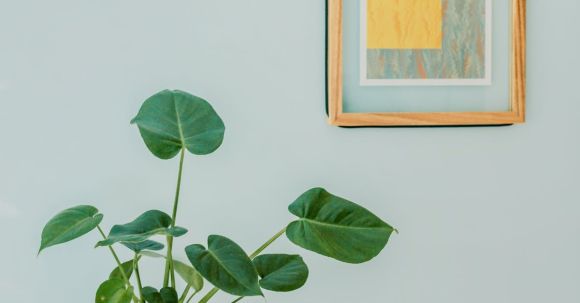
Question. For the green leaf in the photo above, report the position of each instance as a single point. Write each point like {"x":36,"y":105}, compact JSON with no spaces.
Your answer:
{"x":226,"y":266}
{"x":171,"y":120}
{"x":166,"y":295}
{"x":127,"y":268}
{"x":153,"y":222}
{"x":145,"y":245}
{"x":151,"y":295}
{"x":281,"y":272}
{"x":69,"y":225}
{"x":337,"y":228}
{"x":169,"y":295}
{"x":188,"y":274}
{"x":114,"y":291}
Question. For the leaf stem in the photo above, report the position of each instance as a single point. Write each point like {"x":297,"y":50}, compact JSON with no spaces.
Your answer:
{"x":112,"y":250}
{"x":238,"y":299}
{"x":138,"y":277}
{"x":258,"y":251}
{"x":169,"y":262}
{"x":268,"y":243}
{"x":209,"y":295}
{"x":184,"y":294}
{"x":192,"y":295}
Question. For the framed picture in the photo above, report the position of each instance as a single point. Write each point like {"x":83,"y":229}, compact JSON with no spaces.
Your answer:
{"x":426,"y":62}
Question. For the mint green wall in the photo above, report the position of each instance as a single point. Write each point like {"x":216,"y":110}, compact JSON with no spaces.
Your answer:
{"x":485,"y":214}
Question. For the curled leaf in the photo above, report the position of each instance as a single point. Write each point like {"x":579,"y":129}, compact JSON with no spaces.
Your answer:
{"x":150,"y":223}
{"x":189,"y":275}
{"x":145,"y":245}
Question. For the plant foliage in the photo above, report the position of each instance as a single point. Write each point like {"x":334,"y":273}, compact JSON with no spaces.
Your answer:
{"x":176,"y":122}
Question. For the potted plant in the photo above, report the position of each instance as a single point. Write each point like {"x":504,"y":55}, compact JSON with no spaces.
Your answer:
{"x":174,"y":123}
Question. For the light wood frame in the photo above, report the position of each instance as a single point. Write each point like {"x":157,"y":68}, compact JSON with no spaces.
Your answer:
{"x":337,"y":117}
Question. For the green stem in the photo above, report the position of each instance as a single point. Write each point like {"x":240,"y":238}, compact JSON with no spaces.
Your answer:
{"x":121,"y":270}
{"x":209,"y":295}
{"x":191,"y":297}
{"x":238,"y":299}
{"x":268,"y":243}
{"x":138,"y":276}
{"x":184,"y":294}
{"x":169,"y":262}
{"x":258,"y":251}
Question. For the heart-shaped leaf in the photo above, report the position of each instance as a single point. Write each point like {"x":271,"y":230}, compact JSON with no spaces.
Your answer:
{"x":281,"y":272}
{"x":165,"y":295}
{"x":225,"y":264}
{"x":114,"y":291}
{"x":153,"y":222}
{"x":151,"y":295}
{"x":188,"y":274}
{"x":69,"y":225}
{"x":127,"y":268}
{"x":145,"y":245}
{"x":171,"y":120}
{"x":337,"y":228}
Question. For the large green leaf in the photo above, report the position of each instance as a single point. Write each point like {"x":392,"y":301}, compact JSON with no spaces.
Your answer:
{"x":145,"y":245}
{"x":225,"y":265}
{"x":127,"y":268}
{"x":171,"y":120}
{"x":188,"y":274}
{"x":281,"y":272}
{"x":153,"y":222}
{"x":165,"y":295}
{"x":337,"y":228}
{"x":114,"y":291}
{"x":69,"y":225}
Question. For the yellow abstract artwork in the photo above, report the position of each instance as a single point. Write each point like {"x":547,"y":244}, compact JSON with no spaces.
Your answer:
{"x":404,"y":24}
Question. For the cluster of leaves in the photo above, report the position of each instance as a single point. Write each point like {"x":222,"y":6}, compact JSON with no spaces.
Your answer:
{"x":170,"y":123}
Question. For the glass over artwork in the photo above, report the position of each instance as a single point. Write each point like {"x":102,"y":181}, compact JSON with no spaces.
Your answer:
{"x":426,"y":55}
{"x":426,"y":42}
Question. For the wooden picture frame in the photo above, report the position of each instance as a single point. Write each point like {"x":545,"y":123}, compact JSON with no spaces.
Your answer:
{"x":334,"y":78}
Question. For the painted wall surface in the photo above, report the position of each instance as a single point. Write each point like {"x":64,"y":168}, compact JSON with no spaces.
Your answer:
{"x":485,"y":214}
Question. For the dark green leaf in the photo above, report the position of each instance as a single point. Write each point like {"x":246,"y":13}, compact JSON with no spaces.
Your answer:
{"x":169,"y":295}
{"x":281,"y":272}
{"x":145,"y":245}
{"x":225,"y":265}
{"x":337,"y":228}
{"x":114,"y":291}
{"x":69,"y":225}
{"x":127,"y":268}
{"x":188,"y":274}
{"x":151,"y":295}
{"x":171,"y":120}
{"x":166,"y":295}
{"x":153,"y":222}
